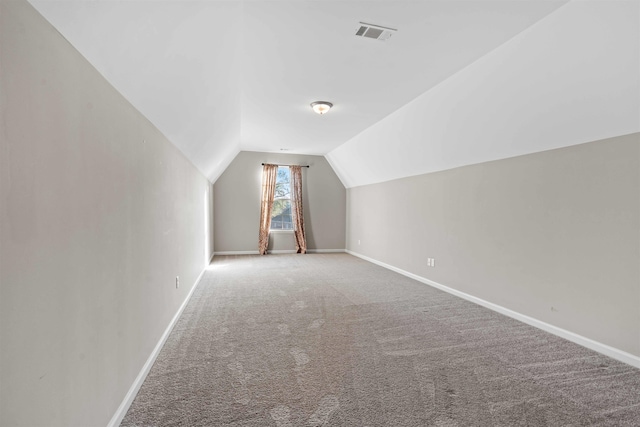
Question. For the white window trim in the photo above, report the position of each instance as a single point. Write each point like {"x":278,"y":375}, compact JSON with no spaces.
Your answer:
{"x":280,"y":230}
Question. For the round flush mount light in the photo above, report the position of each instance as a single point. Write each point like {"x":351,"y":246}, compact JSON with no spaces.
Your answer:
{"x":321,"y":107}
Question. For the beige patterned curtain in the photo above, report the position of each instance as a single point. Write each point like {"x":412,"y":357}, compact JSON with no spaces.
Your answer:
{"x":296,"y":208}
{"x":269,"y":174}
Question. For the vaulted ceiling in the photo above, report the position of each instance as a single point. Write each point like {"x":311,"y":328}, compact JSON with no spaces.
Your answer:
{"x":460,"y":81}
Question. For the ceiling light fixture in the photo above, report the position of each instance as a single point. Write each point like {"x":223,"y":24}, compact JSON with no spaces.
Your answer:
{"x":321,"y":107}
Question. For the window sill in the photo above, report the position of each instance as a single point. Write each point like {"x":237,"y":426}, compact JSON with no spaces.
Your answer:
{"x":281,"y":231}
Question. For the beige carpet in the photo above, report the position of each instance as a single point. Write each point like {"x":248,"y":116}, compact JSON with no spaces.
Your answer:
{"x":331,"y":340}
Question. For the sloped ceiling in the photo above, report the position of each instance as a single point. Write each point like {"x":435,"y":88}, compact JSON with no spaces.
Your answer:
{"x":573,"y":77}
{"x":217,"y":77}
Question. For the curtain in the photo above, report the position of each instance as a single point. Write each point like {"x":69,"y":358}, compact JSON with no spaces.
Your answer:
{"x":296,"y":209}
{"x":269,"y":174}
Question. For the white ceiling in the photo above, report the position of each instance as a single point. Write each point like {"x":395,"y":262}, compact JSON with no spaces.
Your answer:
{"x":217,"y":77}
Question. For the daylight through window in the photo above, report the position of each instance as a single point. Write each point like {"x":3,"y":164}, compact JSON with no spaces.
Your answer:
{"x":281,"y":213}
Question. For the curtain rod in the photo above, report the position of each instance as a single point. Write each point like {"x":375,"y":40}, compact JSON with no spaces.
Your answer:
{"x":302,"y":166}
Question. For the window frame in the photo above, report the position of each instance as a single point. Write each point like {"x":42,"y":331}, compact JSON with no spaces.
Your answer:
{"x":288,"y":197}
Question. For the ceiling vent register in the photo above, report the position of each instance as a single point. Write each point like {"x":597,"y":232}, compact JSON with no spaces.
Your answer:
{"x":375,"y":32}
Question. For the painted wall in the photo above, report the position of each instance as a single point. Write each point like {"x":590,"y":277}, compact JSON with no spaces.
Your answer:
{"x":560,"y":229}
{"x":98,"y":215}
{"x":237,"y":204}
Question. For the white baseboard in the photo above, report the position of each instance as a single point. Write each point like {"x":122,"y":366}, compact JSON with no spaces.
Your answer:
{"x":135,"y":387}
{"x":236,"y":253}
{"x":279,"y":251}
{"x":309,"y":251}
{"x":605,"y":349}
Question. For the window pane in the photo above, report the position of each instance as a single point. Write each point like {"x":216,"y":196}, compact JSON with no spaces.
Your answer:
{"x":281,"y":213}
{"x":280,"y":207}
{"x":283,"y":188}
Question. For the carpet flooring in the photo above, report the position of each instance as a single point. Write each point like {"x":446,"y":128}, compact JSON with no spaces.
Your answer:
{"x":332,"y":340}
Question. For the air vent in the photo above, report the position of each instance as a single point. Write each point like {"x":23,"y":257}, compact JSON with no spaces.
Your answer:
{"x":376,"y":32}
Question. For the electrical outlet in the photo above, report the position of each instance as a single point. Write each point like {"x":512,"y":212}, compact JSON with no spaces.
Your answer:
{"x":433,"y":262}
{"x":358,"y":242}
{"x":177,"y":282}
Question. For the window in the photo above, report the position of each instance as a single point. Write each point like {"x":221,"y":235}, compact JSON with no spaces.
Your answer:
{"x":281,"y":212}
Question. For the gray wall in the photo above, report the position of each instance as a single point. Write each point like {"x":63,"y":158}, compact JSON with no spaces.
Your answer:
{"x":98,"y":215}
{"x":237,"y":204}
{"x":557,"y":229}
